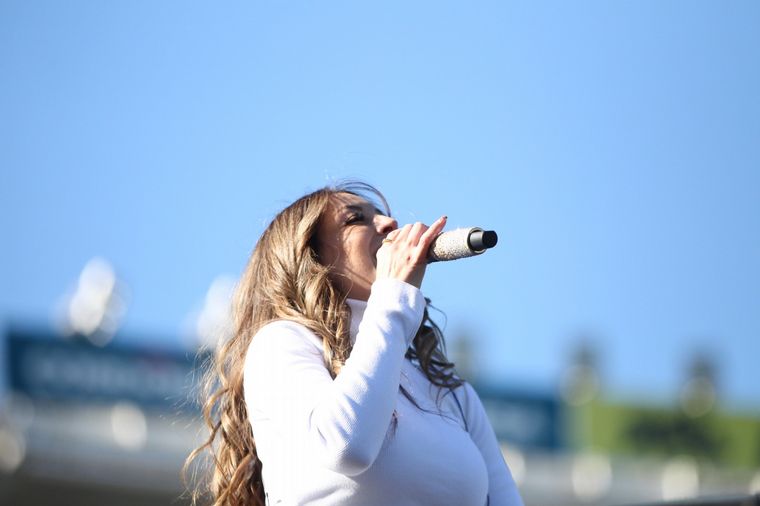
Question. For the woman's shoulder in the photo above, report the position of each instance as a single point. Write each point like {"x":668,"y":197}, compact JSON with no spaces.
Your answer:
{"x":284,"y":335}
{"x":466,"y":395}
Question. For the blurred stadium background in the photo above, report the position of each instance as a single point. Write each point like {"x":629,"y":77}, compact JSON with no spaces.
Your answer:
{"x":86,"y":420}
{"x":613,"y":334}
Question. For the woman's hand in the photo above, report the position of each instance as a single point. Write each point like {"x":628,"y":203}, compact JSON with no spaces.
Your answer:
{"x":403,"y":254}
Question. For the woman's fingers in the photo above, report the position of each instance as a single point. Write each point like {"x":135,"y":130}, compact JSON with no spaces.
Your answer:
{"x":432,"y":232}
{"x":415,"y":233}
{"x":403,"y":254}
{"x":392,"y":235}
{"x":402,"y":234}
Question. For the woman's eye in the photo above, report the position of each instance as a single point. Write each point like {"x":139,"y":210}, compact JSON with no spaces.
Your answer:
{"x":355,"y":218}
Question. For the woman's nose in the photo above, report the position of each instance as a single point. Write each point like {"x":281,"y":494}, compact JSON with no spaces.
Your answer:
{"x":385,"y":224}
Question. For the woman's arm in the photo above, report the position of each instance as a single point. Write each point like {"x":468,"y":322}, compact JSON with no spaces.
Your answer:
{"x":342,"y":422}
{"x":502,"y":490}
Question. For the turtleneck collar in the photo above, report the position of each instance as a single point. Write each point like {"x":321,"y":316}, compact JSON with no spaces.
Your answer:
{"x":357,"y":313}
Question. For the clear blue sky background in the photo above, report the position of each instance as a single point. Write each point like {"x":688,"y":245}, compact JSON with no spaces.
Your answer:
{"x":615,"y":147}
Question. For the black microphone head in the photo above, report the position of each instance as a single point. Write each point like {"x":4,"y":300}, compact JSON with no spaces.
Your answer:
{"x":482,"y":239}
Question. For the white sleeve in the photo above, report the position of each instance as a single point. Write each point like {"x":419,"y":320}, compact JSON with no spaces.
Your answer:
{"x":502,"y":490}
{"x":342,"y":422}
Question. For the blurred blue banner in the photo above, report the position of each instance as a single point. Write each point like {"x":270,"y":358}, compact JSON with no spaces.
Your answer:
{"x":42,"y":365}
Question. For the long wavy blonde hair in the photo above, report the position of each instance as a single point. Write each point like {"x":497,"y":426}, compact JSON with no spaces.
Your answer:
{"x":284,"y":279}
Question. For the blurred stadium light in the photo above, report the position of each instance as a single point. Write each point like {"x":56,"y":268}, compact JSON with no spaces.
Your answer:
{"x":213,"y":322}
{"x":95,"y":308}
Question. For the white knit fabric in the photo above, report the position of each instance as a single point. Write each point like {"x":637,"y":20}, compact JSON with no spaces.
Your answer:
{"x":331,"y":442}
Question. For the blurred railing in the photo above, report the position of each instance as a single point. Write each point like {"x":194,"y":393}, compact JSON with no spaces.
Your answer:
{"x":745,"y":500}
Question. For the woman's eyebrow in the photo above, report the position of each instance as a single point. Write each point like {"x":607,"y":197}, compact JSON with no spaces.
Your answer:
{"x":355,"y":207}
{"x":363,"y":208}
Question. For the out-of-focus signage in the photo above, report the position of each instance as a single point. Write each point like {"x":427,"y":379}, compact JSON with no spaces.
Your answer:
{"x":44,"y":366}
{"x":525,"y":419}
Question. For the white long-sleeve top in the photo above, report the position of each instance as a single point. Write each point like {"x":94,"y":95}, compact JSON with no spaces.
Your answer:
{"x":326,"y":441}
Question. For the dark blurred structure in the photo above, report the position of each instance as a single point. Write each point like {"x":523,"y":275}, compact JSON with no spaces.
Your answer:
{"x":88,"y":421}
{"x":747,"y":500}
{"x":84,"y":424}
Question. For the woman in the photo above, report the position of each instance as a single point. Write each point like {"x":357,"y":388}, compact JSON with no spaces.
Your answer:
{"x":334,"y":388}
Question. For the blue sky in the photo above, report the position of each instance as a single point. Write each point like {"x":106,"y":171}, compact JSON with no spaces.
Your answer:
{"x":615,"y":147}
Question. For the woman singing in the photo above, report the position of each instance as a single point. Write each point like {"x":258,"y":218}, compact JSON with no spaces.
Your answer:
{"x":335,"y":389}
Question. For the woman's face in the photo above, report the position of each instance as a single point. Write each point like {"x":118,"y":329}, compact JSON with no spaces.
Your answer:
{"x":349,"y":234}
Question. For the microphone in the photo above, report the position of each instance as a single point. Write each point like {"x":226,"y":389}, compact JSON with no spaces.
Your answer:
{"x":461,"y":243}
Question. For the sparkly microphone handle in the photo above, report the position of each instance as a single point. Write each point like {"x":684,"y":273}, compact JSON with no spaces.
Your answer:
{"x":461,"y":243}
